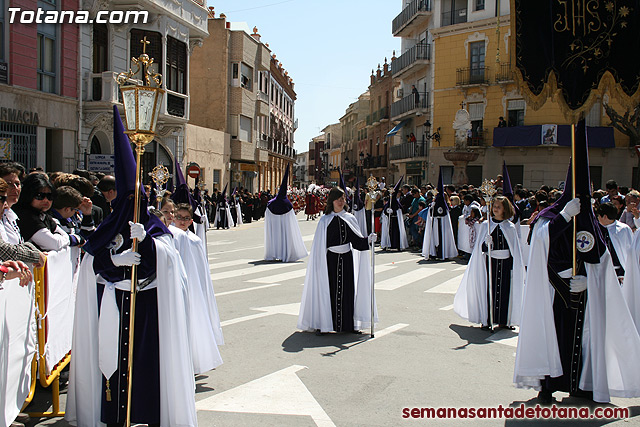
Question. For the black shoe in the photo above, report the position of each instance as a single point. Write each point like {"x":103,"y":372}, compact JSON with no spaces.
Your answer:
{"x":355,"y":331}
{"x":545,"y":397}
{"x":583,"y":394}
{"x":485,"y":328}
{"x":320,"y":333}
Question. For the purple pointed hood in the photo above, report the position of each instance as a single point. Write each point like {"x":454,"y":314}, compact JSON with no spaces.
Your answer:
{"x":117,"y":222}
{"x":280,"y":204}
{"x":507,"y":190}
{"x":182,"y":193}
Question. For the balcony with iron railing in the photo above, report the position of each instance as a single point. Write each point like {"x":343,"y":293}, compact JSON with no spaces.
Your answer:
{"x":408,"y":150}
{"x":419,"y":54}
{"x":415,"y":102}
{"x":470,"y":76}
{"x":415,"y":14}
{"x":477,"y":138}
{"x":369,"y":120}
{"x":504,"y":73}
{"x":452,"y":17}
{"x":383,"y":114}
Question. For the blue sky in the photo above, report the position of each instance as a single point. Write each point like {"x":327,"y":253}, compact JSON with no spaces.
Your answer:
{"x":329,"y":48}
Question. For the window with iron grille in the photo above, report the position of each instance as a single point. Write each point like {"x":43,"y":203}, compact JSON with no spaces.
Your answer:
{"x":479,"y":4}
{"x":216,"y":176}
{"x":153,"y":49}
{"x":176,"y":79}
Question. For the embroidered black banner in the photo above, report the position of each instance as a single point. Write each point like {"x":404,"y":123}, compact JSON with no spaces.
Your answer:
{"x":577,"y":46}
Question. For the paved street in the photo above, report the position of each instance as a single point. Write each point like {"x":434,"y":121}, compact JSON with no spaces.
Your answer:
{"x":423,"y":354}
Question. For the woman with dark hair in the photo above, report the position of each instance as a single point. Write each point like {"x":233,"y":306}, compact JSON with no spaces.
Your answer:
{"x":35,"y":223}
{"x":337,"y":287}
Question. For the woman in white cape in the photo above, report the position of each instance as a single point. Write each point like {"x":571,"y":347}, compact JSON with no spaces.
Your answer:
{"x":507,"y":274}
{"x":337,"y":287}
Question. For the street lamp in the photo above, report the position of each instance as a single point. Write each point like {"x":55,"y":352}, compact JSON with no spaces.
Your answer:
{"x":141,"y":109}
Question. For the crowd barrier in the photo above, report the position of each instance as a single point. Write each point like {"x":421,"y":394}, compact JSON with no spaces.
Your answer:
{"x":39,"y":326}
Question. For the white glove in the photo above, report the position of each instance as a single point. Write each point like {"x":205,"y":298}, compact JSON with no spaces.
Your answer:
{"x":137,"y":231}
{"x":571,"y":209}
{"x":578,"y":284}
{"x":488,"y":240}
{"x":372,"y":237}
{"x":389,"y":211}
{"x":125,"y":259}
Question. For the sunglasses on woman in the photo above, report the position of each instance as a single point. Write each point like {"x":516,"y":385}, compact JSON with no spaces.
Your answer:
{"x":3,"y":199}
{"x":42,"y":196}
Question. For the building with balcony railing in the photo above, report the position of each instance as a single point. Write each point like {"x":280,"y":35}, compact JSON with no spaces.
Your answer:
{"x":415,"y":14}
{"x":376,"y":146}
{"x":106,"y":50}
{"x":354,"y":114}
{"x":471,"y":70}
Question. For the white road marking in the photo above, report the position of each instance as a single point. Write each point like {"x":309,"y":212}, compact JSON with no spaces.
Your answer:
{"x":290,"y":309}
{"x":280,"y":393}
{"x":255,"y":288}
{"x":463,"y":268}
{"x":229,"y":263}
{"x":448,"y":287}
{"x":447,"y":308}
{"x":248,"y":270}
{"x":280,"y":277}
{"x":387,"y":331}
{"x":239,"y":250}
{"x":406,"y":278}
{"x":220,"y":242}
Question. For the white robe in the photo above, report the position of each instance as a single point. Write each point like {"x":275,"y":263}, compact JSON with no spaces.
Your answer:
{"x":315,"y":309}
{"x":239,"y":214}
{"x":282,"y":237}
{"x":631,"y":282}
{"x":470,"y":301}
{"x":611,"y":344}
{"x":431,"y":237}
{"x":230,"y":222}
{"x":177,"y":384}
{"x":205,"y":332}
{"x":385,"y":241}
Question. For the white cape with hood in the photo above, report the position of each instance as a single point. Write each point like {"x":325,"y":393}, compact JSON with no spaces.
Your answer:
{"x":282,"y":237}
{"x":385,"y":240}
{"x":470,"y":301}
{"x":239,"y":213}
{"x":177,"y":384}
{"x":432,"y":236}
{"x":362,"y":220}
{"x":315,"y":309}
{"x":631,"y":282}
{"x":201,"y":229}
{"x":621,"y":239}
{"x":611,"y":344}
{"x":205,"y":331}
{"x":230,"y":222}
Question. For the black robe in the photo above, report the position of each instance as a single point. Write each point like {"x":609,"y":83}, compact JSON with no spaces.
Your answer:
{"x":340,"y":270}
{"x":501,"y":278}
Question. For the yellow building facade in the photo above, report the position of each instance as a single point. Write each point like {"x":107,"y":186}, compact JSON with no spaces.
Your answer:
{"x":472,"y":70}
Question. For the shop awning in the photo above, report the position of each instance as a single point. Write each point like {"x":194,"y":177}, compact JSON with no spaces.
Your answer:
{"x":397,"y":128}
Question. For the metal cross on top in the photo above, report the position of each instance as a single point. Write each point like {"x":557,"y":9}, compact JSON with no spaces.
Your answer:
{"x":144,"y":42}
{"x":372,"y":184}
{"x":160,"y":175}
{"x":488,"y":189}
